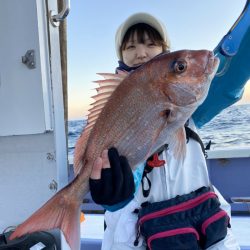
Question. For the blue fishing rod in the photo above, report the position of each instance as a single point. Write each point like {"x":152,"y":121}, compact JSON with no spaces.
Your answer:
{"x":230,"y":43}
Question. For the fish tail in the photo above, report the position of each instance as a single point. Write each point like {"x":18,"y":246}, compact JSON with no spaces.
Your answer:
{"x":61,"y":211}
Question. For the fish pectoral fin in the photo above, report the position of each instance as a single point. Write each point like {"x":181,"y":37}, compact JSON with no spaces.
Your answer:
{"x":59,"y":212}
{"x":178,"y":144}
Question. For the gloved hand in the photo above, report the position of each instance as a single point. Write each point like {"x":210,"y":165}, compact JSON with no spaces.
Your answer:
{"x":111,"y":180}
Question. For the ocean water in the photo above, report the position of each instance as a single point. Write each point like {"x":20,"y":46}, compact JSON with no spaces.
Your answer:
{"x":229,"y":129}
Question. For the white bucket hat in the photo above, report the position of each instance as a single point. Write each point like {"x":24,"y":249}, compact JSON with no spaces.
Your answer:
{"x":139,"y":18}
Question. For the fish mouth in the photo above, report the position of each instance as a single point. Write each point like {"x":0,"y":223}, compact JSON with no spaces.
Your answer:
{"x":212,"y":64}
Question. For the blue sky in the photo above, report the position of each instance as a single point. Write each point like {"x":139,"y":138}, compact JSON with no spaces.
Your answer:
{"x":191,"y":24}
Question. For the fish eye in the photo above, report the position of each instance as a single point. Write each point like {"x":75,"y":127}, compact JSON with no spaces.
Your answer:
{"x":180,"y":66}
{"x":167,"y":113}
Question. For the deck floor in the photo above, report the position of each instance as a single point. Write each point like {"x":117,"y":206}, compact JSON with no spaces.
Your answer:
{"x":92,"y":227}
{"x":241,"y":230}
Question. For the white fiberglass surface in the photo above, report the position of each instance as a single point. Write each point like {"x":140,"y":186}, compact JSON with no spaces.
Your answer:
{"x":92,"y":227}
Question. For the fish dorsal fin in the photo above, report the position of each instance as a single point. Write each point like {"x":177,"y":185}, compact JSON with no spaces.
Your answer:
{"x":104,"y":91}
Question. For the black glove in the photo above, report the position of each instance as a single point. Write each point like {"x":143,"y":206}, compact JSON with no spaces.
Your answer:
{"x":116,"y":183}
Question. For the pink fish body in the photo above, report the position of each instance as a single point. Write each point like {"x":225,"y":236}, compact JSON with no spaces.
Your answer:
{"x":136,"y":113}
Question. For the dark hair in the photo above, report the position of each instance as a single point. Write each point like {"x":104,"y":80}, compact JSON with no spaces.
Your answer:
{"x":141,"y":29}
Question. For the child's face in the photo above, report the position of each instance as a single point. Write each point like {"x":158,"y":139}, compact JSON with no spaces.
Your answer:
{"x":136,"y":53}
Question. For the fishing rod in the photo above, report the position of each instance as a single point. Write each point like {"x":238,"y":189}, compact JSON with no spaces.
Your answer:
{"x":230,"y":43}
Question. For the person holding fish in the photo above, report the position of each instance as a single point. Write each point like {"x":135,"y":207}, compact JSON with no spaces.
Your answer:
{"x":147,"y":206}
{"x":139,"y":154}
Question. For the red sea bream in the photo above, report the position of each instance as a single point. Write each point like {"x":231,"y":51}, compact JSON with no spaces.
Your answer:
{"x":136,"y":113}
